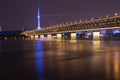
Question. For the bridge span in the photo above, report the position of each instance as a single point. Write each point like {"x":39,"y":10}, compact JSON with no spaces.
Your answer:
{"x":93,"y":29}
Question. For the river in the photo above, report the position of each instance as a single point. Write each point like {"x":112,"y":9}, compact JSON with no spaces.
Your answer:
{"x":59,"y":60}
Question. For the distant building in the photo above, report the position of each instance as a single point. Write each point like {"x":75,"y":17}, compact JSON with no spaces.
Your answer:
{"x":12,"y":32}
{"x":116,"y":31}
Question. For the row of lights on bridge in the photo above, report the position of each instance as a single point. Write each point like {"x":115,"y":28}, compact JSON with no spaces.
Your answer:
{"x":75,"y":22}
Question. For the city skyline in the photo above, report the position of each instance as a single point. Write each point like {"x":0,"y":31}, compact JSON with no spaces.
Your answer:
{"x":22,"y":14}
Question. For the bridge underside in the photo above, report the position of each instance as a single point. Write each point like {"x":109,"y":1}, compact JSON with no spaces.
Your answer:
{"x":108,"y":34}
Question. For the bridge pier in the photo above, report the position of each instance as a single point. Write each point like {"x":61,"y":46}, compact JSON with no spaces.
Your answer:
{"x":41,"y":36}
{"x":96,"y":35}
{"x":59,"y":36}
{"x":49,"y":36}
{"x":36,"y":36}
{"x":73,"y":36}
{"x":31,"y":36}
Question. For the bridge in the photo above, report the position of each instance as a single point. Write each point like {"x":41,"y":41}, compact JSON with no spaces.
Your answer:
{"x":91,"y":29}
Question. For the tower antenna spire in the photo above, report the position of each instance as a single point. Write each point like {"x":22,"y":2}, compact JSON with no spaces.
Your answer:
{"x":38,"y":17}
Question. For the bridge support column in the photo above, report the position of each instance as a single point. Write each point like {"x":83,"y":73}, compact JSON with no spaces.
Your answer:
{"x":73,"y":36}
{"x":59,"y":36}
{"x":36,"y":36}
{"x":49,"y":36}
{"x":41,"y":36}
{"x":31,"y":36}
{"x":96,"y":35}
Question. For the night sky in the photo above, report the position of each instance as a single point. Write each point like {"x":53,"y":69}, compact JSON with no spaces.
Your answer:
{"x":22,"y":14}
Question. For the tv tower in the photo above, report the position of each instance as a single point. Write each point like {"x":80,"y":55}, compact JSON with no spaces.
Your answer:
{"x":38,"y":16}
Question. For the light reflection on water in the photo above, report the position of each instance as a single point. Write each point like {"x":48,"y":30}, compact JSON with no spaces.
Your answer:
{"x":112,"y":63}
{"x":98,"y":60}
{"x":0,"y":46}
{"x":39,"y":59}
{"x":60,"y":60}
{"x":96,"y":45}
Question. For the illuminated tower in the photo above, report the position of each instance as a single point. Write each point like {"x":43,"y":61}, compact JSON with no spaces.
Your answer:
{"x":38,"y":16}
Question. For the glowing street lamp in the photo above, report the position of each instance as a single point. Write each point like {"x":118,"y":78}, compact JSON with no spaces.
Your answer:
{"x":92,"y":19}
{"x":116,"y":14}
{"x":107,"y":16}
{"x":80,"y":21}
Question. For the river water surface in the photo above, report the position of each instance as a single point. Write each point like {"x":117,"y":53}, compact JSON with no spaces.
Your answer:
{"x":59,"y":60}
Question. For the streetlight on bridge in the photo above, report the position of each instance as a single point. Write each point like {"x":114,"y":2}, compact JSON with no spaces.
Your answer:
{"x":92,"y":19}
{"x":116,"y":14}
{"x":80,"y":21}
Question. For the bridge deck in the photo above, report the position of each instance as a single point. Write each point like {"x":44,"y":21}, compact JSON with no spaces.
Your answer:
{"x":105,"y":23}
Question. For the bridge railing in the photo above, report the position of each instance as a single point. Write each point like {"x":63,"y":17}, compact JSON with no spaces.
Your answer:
{"x":105,"y":23}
